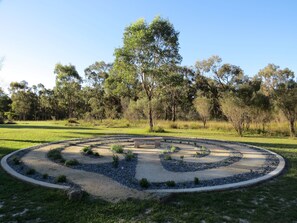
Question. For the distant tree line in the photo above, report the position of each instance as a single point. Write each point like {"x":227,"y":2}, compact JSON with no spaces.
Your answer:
{"x":146,"y":81}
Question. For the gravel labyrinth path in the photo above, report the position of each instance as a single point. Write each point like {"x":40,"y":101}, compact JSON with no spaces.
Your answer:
{"x":218,"y":165}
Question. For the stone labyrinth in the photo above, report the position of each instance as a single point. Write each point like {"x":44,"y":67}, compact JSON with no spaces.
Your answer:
{"x":177,"y":165}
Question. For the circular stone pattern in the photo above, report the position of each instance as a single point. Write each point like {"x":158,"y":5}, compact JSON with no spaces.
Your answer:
{"x":110,"y":167}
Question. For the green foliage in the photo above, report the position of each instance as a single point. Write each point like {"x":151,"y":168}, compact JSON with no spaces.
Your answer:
{"x":117,"y":148}
{"x":44,"y":176}
{"x":16,"y":160}
{"x":144,"y":183}
{"x":55,"y":155}
{"x":30,"y":171}
{"x":115,"y":161}
{"x":170,"y":183}
{"x":173,"y":149}
{"x":129,"y":155}
{"x":61,"y":179}
{"x":196,"y":180}
{"x":167,"y":157}
{"x":71,"y":162}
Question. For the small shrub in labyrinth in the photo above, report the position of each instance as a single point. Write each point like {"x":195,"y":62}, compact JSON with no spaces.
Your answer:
{"x":144,"y":183}
{"x":117,"y":148}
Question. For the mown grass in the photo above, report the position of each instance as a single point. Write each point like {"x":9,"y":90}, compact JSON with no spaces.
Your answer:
{"x":273,"y":201}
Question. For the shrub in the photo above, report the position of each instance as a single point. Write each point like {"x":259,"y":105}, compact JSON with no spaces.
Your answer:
{"x":115,"y":161}
{"x":196,"y":180}
{"x":30,"y":171}
{"x":16,"y":160}
{"x":45,"y":176}
{"x":182,"y":158}
{"x":170,"y":183}
{"x":167,"y":157}
{"x":129,"y":155}
{"x":173,"y":149}
{"x":60,"y":179}
{"x":117,"y":148}
{"x":86,"y":149}
{"x":71,"y":162}
{"x":144,"y":183}
{"x":55,"y":154}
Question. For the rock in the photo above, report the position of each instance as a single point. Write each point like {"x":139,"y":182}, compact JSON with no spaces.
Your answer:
{"x":74,"y":194}
{"x":227,"y":218}
{"x":243,"y":220}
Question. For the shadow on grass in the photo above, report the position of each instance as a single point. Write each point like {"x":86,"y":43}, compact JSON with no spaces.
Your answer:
{"x":42,"y":127}
{"x":274,"y":145}
{"x":23,"y":140}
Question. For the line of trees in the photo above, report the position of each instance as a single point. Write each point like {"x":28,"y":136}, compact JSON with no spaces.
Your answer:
{"x":146,"y":80}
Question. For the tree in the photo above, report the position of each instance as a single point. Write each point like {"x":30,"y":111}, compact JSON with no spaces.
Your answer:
{"x":286,"y":98}
{"x":202,"y":105}
{"x":279,"y":84}
{"x":235,"y":110}
{"x":5,"y":103}
{"x":149,"y":52}
{"x":67,"y":89}
{"x":21,"y":99}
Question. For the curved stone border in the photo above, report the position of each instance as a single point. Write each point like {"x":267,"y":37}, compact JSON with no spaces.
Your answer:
{"x":15,"y":174}
{"x":272,"y":174}
{"x":241,"y":184}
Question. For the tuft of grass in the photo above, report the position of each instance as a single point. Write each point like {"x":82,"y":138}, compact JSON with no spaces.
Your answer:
{"x":61,"y":179}
{"x":196,"y":180}
{"x":117,"y":148}
{"x":170,"y":183}
{"x":30,"y":171}
{"x":115,"y":161}
{"x":16,"y":160}
{"x":129,"y":155}
{"x":144,"y":183}
{"x":173,"y":149}
{"x":167,"y":157}
{"x":71,"y":162}
{"x":44,"y":176}
{"x":55,"y":155}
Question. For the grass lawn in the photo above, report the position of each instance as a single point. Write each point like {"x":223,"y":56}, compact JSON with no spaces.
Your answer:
{"x":273,"y":201}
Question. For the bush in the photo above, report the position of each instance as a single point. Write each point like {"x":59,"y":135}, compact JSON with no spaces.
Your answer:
{"x":55,"y":155}
{"x":45,"y":176}
{"x":71,"y":162}
{"x":144,"y":183}
{"x":115,"y":161}
{"x":167,"y":157}
{"x":173,"y":149}
{"x":16,"y":161}
{"x":196,"y":180}
{"x":60,"y":179}
{"x":117,"y":148}
{"x":170,"y":183}
{"x":30,"y":171}
{"x":129,"y":155}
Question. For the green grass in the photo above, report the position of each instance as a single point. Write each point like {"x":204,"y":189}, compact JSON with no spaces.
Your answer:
{"x":273,"y":201}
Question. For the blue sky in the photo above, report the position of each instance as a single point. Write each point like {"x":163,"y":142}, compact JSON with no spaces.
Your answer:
{"x":35,"y":34}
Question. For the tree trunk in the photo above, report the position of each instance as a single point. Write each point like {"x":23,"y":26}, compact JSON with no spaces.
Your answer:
{"x":204,"y":123}
{"x":174,"y":113}
{"x":151,"y":115}
{"x":292,"y":127}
